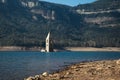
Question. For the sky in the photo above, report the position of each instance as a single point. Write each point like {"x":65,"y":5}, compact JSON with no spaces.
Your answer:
{"x":70,"y":2}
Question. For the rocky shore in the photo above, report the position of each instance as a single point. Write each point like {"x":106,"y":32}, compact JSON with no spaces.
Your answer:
{"x":97,"y":70}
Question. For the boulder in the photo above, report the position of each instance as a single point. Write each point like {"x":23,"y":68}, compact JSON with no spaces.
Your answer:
{"x":45,"y":74}
{"x":30,"y":78}
{"x":118,"y":62}
{"x":37,"y":77}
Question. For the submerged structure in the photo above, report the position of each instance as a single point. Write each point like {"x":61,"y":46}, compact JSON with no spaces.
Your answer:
{"x":49,"y":43}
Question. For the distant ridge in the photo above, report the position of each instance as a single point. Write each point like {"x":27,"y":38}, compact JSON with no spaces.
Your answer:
{"x":26,"y":23}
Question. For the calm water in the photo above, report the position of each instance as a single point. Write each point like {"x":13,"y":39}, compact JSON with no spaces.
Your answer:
{"x":17,"y":65}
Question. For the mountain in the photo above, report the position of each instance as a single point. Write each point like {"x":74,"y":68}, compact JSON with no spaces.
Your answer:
{"x":103,"y":20}
{"x":27,"y":22}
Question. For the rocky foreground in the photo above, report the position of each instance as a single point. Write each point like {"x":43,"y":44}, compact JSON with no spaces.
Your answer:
{"x":98,"y":70}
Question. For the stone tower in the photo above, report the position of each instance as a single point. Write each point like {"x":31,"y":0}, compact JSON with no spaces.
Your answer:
{"x":49,"y":47}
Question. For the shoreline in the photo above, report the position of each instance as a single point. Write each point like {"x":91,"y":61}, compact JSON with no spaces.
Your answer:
{"x":34,"y":48}
{"x":93,"y":49}
{"x":19,"y":48}
{"x":95,"y":70}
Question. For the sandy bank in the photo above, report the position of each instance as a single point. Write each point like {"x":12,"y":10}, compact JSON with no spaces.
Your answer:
{"x":92,"y":49}
{"x":18,"y":48}
{"x":98,"y":70}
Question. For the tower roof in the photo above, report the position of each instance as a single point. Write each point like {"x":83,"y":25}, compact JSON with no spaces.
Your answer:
{"x":48,"y":36}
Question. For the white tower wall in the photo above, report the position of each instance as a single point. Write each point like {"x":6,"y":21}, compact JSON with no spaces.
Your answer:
{"x":48,"y":43}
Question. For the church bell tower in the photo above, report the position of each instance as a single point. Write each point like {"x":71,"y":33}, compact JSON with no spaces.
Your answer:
{"x":49,"y":47}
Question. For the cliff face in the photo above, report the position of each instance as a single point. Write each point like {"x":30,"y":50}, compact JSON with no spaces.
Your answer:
{"x":32,"y":5}
{"x":46,"y":14}
{"x":29,"y":3}
{"x":104,"y":13}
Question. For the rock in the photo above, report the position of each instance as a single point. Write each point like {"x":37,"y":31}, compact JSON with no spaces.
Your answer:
{"x":67,"y":73}
{"x":77,"y":69}
{"x":73,"y":67}
{"x":30,"y":78}
{"x":99,"y":68}
{"x":85,"y":72}
{"x":118,"y":62}
{"x":37,"y":77}
{"x":110,"y":79}
{"x":57,"y":76}
{"x":45,"y":74}
{"x":50,"y":75}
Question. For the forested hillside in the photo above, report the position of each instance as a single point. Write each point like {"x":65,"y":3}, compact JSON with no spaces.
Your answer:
{"x":27,"y":22}
{"x":103,"y":22}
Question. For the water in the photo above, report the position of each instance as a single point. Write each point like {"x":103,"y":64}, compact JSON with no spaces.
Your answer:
{"x":18,"y":65}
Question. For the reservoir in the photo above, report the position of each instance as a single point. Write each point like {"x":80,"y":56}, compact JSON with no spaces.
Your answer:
{"x":18,"y":65}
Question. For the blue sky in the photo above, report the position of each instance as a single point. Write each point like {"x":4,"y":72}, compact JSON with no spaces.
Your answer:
{"x":70,"y":2}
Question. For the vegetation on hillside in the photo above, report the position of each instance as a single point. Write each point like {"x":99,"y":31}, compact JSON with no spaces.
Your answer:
{"x":21,"y":27}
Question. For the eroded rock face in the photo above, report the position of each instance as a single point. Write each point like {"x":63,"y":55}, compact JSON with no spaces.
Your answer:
{"x":32,"y":4}
{"x":29,"y":3}
{"x":47,"y":14}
